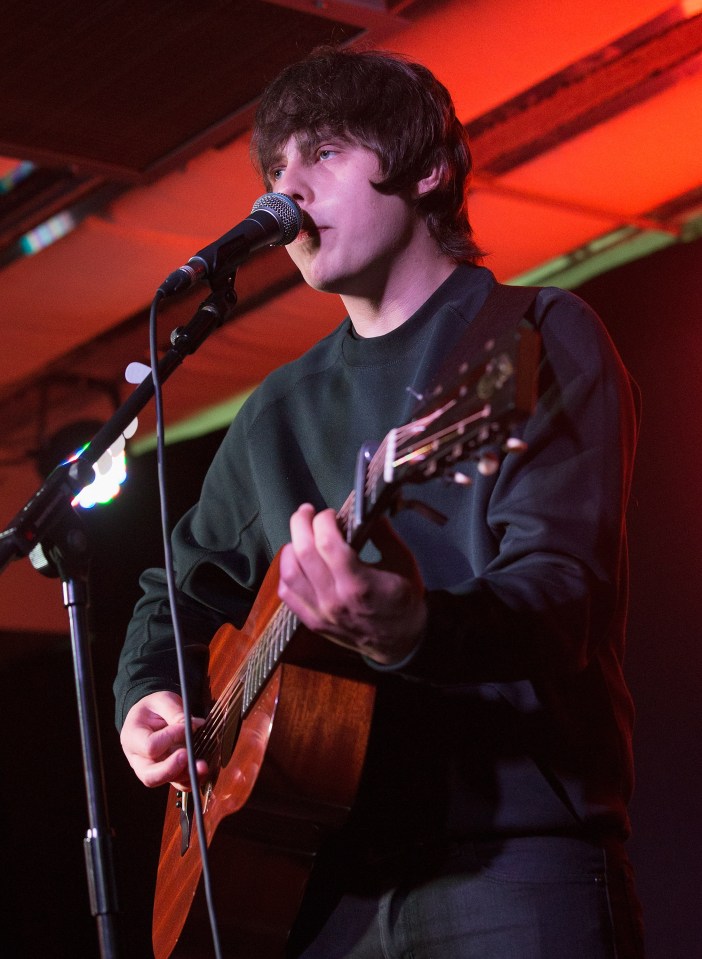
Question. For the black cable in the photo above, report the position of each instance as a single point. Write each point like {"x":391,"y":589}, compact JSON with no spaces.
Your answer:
{"x":177,"y":632}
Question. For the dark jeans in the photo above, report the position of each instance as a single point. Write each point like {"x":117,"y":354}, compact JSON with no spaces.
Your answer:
{"x":527,"y":898}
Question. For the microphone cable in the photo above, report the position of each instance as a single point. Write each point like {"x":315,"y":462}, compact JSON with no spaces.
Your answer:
{"x":175,"y":619}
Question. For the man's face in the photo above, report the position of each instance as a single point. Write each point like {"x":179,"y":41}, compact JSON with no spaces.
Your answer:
{"x":354,"y":239}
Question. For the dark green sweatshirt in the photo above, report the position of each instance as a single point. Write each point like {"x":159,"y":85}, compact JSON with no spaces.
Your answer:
{"x":513,"y":718}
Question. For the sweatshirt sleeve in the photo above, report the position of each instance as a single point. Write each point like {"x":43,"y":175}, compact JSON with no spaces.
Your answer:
{"x":218,"y":564}
{"x":549,"y":571}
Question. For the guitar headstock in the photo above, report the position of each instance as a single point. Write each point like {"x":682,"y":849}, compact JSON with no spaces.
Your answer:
{"x":477,"y":411}
{"x":472,"y":416}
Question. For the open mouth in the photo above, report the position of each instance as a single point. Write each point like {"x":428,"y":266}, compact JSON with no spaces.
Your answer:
{"x":309,"y":231}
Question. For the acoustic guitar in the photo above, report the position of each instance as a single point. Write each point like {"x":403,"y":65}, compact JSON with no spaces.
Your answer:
{"x":286,"y":736}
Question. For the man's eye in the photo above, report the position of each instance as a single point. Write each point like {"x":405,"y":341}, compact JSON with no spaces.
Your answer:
{"x":276,"y":174}
{"x":326,"y":153}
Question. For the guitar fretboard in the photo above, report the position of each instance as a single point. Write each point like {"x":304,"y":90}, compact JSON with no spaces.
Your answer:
{"x":267,"y":653}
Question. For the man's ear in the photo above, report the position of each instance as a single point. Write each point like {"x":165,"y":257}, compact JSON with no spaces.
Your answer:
{"x":429,"y":182}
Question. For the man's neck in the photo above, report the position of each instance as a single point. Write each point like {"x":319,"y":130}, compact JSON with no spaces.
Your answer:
{"x":377,"y":315}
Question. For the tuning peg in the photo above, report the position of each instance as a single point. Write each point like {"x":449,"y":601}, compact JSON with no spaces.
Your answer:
{"x":414,"y":394}
{"x":489,"y":463}
{"x":515,"y":445}
{"x":462,"y":479}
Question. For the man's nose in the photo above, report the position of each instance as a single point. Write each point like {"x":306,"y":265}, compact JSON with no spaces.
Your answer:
{"x":296,"y":182}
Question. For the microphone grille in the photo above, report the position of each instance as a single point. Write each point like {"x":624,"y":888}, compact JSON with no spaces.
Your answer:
{"x":285,"y":210}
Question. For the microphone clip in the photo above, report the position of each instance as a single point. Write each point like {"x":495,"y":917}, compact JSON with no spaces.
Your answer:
{"x":211,"y":314}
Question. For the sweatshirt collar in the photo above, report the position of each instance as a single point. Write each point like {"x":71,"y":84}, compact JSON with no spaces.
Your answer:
{"x":462,"y":292}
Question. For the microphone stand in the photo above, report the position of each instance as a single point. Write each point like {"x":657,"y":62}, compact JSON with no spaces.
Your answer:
{"x":51,"y":533}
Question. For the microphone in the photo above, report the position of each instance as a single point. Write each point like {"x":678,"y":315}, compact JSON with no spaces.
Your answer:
{"x":275,"y":220}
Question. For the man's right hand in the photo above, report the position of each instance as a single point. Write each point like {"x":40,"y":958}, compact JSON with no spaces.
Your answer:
{"x":153,"y":740}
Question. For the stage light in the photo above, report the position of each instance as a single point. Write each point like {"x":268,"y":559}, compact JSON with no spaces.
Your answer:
{"x":14,"y":175}
{"x":68,"y":443}
{"x":47,"y":233}
{"x":109,"y":476}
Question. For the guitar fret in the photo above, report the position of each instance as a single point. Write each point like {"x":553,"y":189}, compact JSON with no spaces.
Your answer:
{"x":292,"y":623}
{"x":258,"y":671}
{"x":247,"y":691}
{"x":270,"y":659}
{"x":280,"y":634}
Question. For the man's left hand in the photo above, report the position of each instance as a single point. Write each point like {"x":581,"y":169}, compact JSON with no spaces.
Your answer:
{"x":377,"y":609}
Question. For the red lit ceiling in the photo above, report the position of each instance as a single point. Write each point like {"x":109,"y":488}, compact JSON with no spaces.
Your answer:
{"x":585,"y":120}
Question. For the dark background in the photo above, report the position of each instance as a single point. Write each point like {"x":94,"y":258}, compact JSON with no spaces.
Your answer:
{"x":653,"y":309}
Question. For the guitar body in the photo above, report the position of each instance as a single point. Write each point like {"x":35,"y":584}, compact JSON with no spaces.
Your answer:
{"x":283,"y":777}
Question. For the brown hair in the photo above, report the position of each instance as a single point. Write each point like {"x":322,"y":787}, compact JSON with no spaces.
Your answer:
{"x":390,"y":105}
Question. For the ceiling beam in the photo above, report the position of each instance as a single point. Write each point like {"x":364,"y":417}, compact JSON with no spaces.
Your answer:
{"x":644,"y":221}
{"x":630,"y":70}
{"x":367,"y":14}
